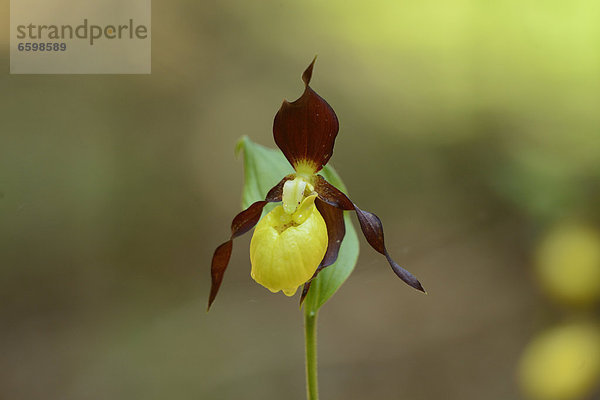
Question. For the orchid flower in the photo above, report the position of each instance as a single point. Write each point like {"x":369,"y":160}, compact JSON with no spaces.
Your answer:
{"x":300,"y":237}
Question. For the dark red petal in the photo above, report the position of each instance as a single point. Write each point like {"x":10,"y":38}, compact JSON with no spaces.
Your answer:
{"x":403,"y":274}
{"x":218,"y":266}
{"x":305,"y":130}
{"x":276,"y":191}
{"x":246,"y":220}
{"x":336,"y":230}
{"x":372,"y":228}
{"x":370,"y":224}
{"x":332,"y":195}
{"x":241,"y":224}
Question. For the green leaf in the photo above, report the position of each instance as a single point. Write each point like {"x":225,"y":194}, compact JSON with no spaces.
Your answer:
{"x":263,"y":169}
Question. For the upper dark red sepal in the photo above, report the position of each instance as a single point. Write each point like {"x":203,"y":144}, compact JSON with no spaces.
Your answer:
{"x":370,"y":224}
{"x":241,"y":224}
{"x":305,"y":130}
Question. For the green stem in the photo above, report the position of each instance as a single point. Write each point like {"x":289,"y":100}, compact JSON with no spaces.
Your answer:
{"x":310,"y":335}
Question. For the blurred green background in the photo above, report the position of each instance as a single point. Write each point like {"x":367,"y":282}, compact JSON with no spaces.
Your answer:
{"x":471,"y":128}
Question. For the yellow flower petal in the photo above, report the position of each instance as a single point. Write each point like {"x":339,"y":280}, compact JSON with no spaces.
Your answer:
{"x":286,"y":249}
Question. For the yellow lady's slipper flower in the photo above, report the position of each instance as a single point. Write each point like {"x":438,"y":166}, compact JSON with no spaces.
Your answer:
{"x":286,"y":249}
{"x":296,"y":240}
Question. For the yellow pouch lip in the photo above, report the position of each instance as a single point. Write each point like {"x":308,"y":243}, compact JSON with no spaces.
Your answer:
{"x":286,"y":250}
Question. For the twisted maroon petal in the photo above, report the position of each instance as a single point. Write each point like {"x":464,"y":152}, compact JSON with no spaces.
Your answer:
{"x":370,"y":224}
{"x":305,"y":129}
{"x":241,"y":224}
